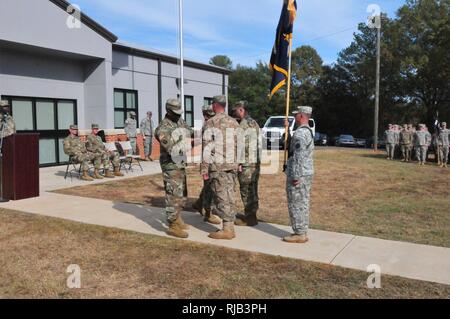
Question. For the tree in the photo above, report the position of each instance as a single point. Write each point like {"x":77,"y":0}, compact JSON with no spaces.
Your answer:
{"x":222,"y":61}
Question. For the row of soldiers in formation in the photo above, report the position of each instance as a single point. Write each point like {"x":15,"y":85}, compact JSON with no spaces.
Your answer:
{"x":222,"y":176}
{"x":410,"y":140}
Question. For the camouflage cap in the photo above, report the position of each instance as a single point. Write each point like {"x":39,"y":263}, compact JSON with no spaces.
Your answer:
{"x":304,"y":110}
{"x":4,"y":103}
{"x":208,"y":110}
{"x":74,"y":127}
{"x":239,"y":104}
{"x":220,"y":99}
{"x":95,"y":126}
{"x":133,"y":113}
{"x":174,"y":105}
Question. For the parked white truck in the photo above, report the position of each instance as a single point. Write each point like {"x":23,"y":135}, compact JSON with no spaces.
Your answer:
{"x":273,"y":131}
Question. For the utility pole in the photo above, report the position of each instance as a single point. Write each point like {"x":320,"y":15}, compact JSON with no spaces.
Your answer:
{"x":377,"y":86}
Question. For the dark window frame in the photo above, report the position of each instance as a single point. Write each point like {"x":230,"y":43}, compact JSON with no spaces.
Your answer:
{"x":192,"y":113}
{"x":125,"y":109}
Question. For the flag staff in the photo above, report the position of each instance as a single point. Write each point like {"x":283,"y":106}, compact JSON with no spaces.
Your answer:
{"x":180,"y":3}
{"x":288,"y":98}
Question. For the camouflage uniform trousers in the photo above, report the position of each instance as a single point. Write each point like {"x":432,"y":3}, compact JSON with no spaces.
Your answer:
{"x":421,"y":153}
{"x":443,"y":151}
{"x":406,"y":151}
{"x":133,"y":144}
{"x":84,"y":159}
{"x":390,"y":149}
{"x":176,"y":192}
{"x":106,"y":158}
{"x":205,"y":199}
{"x":148,"y":144}
{"x":248,"y":182}
{"x":223,"y":187}
{"x":298,"y":204}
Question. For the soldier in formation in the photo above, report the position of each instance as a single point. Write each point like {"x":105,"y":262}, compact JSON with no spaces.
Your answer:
{"x":443,"y":144}
{"x":390,"y":139}
{"x":422,"y":140}
{"x":147,"y":129}
{"x":406,"y":137}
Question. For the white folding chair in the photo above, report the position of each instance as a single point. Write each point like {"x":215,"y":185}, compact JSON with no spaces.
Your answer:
{"x":133,"y":159}
{"x":111,"y":147}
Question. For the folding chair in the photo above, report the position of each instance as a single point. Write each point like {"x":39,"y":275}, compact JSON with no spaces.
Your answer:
{"x":111,"y":147}
{"x":133,"y":159}
{"x":74,"y":168}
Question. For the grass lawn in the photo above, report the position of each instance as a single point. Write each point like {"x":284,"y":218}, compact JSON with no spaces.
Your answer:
{"x":36,"y":251}
{"x":354,"y":191}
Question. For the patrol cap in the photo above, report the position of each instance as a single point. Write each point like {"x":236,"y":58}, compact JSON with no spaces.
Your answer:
{"x":207,"y":109}
{"x":303,"y":109}
{"x":174,"y":105}
{"x":132,"y":113}
{"x":239,"y":104}
{"x":220,"y":99}
{"x":74,"y":127}
{"x":4,"y":103}
{"x":94,"y":126}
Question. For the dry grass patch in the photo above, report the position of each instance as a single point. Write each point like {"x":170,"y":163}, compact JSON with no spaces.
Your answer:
{"x":354,"y":191}
{"x":35,"y":252}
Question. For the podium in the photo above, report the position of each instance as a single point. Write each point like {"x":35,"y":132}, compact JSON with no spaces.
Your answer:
{"x":20,"y":166}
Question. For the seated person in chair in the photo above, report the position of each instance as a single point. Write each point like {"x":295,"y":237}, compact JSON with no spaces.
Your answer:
{"x":95,"y":145}
{"x":76,"y":149}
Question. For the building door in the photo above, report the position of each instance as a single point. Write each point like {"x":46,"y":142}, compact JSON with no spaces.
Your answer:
{"x":50,"y":118}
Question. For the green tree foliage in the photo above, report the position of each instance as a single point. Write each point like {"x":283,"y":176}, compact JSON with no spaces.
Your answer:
{"x":222,"y":61}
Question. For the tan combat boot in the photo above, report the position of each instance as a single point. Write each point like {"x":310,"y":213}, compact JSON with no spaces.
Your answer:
{"x":86,"y":177}
{"x":117,"y":172}
{"x":226,"y":233}
{"x":181,"y":223}
{"x":296,"y":239}
{"x":176,"y":231}
{"x":246,"y":221}
{"x":97,"y":174}
{"x":109,"y":174}
{"x":212,"y":219}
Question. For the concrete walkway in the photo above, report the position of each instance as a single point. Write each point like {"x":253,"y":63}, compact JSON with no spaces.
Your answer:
{"x":408,"y":260}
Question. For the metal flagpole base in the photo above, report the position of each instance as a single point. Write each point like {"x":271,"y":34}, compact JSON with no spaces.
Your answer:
{"x":3,"y":200}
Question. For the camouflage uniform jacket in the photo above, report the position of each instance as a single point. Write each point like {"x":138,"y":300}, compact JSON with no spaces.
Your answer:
{"x":220,"y":156}
{"x":250,"y":133}
{"x":10,"y":127}
{"x":389,"y":137}
{"x":147,"y":127}
{"x":95,"y":144}
{"x":422,"y":138}
{"x":443,"y":138}
{"x":130,"y":128}
{"x":164,"y":134}
{"x":73,"y":146}
{"x":301,"y":163}
{"x":406,"y":137}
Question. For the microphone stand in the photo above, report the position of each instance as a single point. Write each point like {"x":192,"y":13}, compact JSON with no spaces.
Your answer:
{"x":3,"y":123}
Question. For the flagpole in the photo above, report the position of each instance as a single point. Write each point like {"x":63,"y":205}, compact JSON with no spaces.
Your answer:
{"x":181,"y":55}
{"x":288,"y":98}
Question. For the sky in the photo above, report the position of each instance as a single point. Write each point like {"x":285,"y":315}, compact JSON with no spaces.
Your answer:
{"x":244,"y":30}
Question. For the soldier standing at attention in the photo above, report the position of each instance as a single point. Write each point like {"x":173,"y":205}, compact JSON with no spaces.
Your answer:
{"x":204,"y":201}
{"x":7,"y":125}
{"x":421,"y":141}
{"x":219,"y":165}
{"x":300,"y":173}
{"x":405,"y":141}
{"x":443,"y":143}
{"x":131,"y":130}
{"x":389,"y":137}
{"x":76,"y":149}
{"x":147,"y":129}
{"x":95,"y":145}
{"x":249,"y":169}
{"x":171,"y":134}
{"x":412,"y":130}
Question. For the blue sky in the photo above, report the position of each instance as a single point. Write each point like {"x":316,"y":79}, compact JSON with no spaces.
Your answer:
{"x":242,"y":29}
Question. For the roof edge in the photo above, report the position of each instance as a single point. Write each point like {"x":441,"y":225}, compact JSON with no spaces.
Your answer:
{"x":63,"y":4}
{"x":167,"y":58}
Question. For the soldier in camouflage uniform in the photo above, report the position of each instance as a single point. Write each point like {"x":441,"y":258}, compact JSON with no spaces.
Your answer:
{"x":300,"y":172}
{"x":7,"y":125}
{"x":412,"y":150}
{"x":204,"y":201}
{"x":443,"y":144}
{"x":389,"y":138}
{"x":171,"y":134}
{"x":219,"y":165}
{"x":250,"y":163}
{"x":405,"y":142}
{"x":76,"y":148}
{"x":147,"y":128}
{"x":422,"y":140}
{"x":95,"y":145}
{"x":131,"y":130}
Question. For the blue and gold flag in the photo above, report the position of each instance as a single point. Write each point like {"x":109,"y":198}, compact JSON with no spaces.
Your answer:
{"x":279,"y":61}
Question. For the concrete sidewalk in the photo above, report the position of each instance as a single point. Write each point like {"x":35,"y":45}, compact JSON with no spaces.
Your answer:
{"x":408,"y":260}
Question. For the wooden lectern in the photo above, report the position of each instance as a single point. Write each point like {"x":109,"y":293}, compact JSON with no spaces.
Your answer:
{"x":20,"y":166}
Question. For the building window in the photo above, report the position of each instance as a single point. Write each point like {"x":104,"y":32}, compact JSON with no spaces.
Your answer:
{"x":50,"y":118}
{"x":207,"y":100}
{"x":125,"y":101}
{"x":189,"y":110}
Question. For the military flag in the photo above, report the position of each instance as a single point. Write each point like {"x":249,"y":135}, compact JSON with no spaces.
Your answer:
{"x":279,"y":61}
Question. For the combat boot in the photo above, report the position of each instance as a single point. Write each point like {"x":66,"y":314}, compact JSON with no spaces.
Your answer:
{"x":150,"y":158}
{"x":117,"y":172}
{"x":296,"y":239}
{"x":86,"y":177}
{"x":212,"y":219}
{"x":246,"y":221}
{"x":181,"y":223}
{"x":226,"y":233}
{"x":97,"y":174}
{"x":176,"y":231}
{"x":197,"y":207}
{"x":109,"y":174}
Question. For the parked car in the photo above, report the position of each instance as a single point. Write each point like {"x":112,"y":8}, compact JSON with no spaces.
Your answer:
{"x":320,"y":139}
{"x":273,"y":132}
{"x":381,"y":142}
{"x":360,"y":142}
{"x":346,"y":141}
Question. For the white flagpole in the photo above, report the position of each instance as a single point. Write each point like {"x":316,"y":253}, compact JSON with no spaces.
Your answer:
{"x":181,"y":56}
